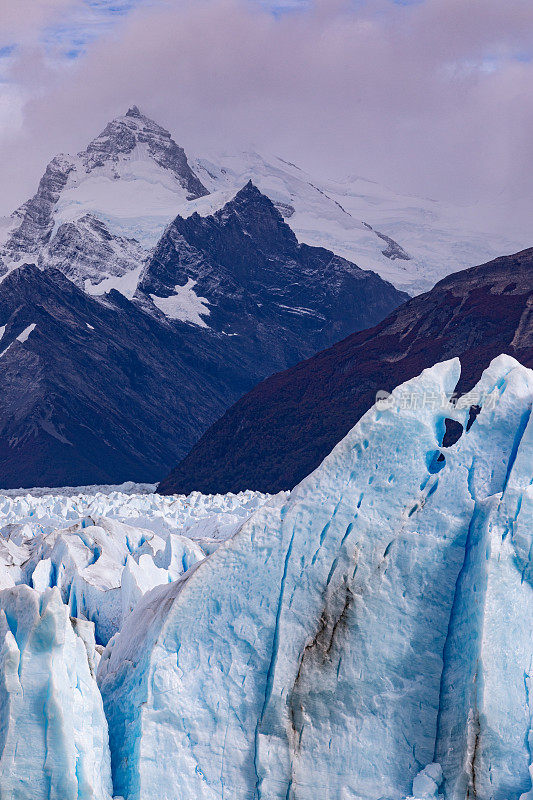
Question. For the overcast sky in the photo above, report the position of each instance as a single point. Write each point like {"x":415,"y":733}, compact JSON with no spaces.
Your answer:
{"x":428,"y":96}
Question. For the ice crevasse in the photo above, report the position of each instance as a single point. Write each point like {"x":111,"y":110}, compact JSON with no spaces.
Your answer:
{"x":366,"y":637}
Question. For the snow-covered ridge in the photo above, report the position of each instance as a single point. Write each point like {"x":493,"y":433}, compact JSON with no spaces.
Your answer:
{"x":98,"y":215}
{"x":410,"y":241}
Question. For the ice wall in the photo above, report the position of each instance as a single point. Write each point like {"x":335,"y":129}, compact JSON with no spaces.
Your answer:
{"x":331,"y":648}
{"x":53,"y":732}
{"x":484,"y":734}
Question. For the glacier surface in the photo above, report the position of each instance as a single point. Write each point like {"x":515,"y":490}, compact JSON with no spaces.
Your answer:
{"x":103,"y":550}
{"x":336,"y":644}
{"x":367,"y":636}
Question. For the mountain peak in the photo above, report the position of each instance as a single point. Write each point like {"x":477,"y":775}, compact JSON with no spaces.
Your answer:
{"x":134,"y":112}
{"x":122,"y":135}
{"x":259,"y":218}
{"x":250,"y":190}
{"x":250,"y":196}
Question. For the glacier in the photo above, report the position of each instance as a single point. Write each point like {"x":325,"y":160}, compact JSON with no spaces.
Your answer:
{"x":321,"y":648}
{"x":104,"y":549}
{"x":367,"y":636}
{"x":53,"y":732}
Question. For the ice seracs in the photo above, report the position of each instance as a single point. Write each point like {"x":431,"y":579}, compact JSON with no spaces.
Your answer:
{"x":357,"y":638}
{"x":53,"y":732}
{"x":101,"y":565}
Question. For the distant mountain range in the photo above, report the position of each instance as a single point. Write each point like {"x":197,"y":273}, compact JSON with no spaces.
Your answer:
{"x":107,"y":389}
{"x":97,"y":216}
{"x":282,"y":429}
{"x":143,"y":291}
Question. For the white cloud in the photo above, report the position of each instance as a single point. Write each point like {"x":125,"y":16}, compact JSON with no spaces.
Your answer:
{"x":11,"y":106}
{"x":24,"y":19}
{"x":431,"y":97}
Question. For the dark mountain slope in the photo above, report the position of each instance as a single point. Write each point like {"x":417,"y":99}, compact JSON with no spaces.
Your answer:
{"x":282,"y":429}
{"x":100,"y":392}
{"x":281,"y":301}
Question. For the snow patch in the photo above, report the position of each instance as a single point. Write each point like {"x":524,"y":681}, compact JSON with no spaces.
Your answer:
{"x":185,"y":305}
{"x":125,"y":284}
{"x":23,"y":337}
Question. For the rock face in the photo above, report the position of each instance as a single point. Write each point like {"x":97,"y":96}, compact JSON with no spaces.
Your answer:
{"x":97,"y":391}
{"x":108,"y":390}
{"x":36,"y":215}
{"x":80,"y":250}
{"x":278,"y":298}
{"x":410,"y":241}
{"x":367,"y":636}
{"x":283,"y":428}
{"x":53,"y":732}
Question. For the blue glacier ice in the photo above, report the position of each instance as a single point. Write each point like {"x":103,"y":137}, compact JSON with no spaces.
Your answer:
{"x":367,"y":637}
{"x":485,"y":737}
{"x":101,"y":566}
{"x":53,"y":731}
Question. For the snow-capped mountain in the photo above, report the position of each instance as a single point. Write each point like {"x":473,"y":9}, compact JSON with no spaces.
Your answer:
{"x":281,"y":430}
{"x":104,"y":389}
{"x":365,"y":636}
{"x":410,"y":241}
{"x":98,"y":215}
{"x":242,"y":273}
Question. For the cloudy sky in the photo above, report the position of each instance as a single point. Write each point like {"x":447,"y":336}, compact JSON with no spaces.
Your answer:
{"x":433,"y":97}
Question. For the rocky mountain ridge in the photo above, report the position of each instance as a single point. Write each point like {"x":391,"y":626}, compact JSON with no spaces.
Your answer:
{"x":243,"y":273}
{"x":282,"y":428}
